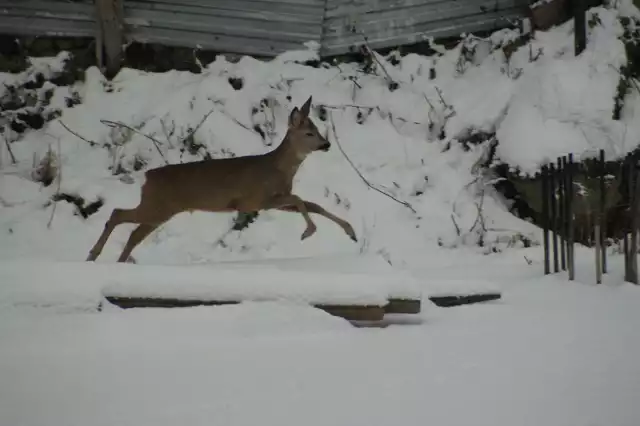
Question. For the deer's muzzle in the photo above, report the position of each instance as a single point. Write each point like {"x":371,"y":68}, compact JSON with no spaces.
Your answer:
{"x":325,"y":147}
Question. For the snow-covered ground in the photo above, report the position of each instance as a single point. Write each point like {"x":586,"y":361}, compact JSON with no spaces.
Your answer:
{"x":550,"y":352}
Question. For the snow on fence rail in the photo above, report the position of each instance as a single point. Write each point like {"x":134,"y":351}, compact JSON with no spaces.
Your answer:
{"x":254,"y":27}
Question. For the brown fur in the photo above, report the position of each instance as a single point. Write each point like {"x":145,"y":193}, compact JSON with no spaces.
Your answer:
{"x":244,"y":184}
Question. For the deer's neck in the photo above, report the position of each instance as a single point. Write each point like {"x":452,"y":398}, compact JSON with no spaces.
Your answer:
{"x":287,"y":159}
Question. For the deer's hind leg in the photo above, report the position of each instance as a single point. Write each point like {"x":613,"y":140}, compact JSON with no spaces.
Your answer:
{"x":319,"y":210}
{"x":293,"y":200}
{"x":136,"y":237}
{"x":119,"y":216}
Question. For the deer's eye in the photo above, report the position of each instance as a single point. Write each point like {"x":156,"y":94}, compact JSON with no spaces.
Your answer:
{"x":309,"y":134}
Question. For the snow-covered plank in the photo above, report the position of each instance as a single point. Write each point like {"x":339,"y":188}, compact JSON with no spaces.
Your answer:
{"x":348,"y":312}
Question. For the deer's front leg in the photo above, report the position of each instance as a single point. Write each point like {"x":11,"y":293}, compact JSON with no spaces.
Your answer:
{"x":294,"y":200}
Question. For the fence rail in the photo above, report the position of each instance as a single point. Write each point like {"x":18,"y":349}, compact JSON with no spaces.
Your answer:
{"x":259,"y":27}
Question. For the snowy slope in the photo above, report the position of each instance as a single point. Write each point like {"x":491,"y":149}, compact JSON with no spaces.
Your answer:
{"x":538,"y":109}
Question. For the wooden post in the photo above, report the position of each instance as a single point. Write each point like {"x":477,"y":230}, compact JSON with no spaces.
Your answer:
{"x":597,"y":236}
{"x":545,"y":216}
{"x":554,"y":215}
{"x":569,"y":195}
{"x":635,"y":209}
{"x":580,"y":26}
{"x":628,"y":175}
{"x":603,"y":212}
{"x":560,"y":228}
{"x":110,"y":35}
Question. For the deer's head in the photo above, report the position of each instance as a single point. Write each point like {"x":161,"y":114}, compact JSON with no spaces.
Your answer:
{"x":304,"y":133}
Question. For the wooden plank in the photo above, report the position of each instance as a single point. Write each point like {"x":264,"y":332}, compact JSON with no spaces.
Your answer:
{"x":403,"y":306}
{"x":349,"y":312}
{"x":457,"y":300}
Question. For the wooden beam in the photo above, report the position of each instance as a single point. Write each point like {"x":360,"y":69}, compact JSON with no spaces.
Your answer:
{"x":349,"y":312}
{"x":403,"y":306}
{"x":448,"y":301}
{"x":110,"y":35}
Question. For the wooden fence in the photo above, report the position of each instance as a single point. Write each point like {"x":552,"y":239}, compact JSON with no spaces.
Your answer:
{"x":618,"y":202}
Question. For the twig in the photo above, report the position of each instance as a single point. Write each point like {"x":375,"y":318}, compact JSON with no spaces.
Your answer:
{"x":335,"y":136}
{"x":13,"y":157}
{"x":373,"y":55}
{"x":195,"y":129}
{"x":167,"y":134}
{"x":452,"y":112}
{"x":631,"y":79}
{"x":428,"y":101}
{"x":368,"y":108}
{"x":155,"y":141}
{"x":479,"y":217}
{"x":238,"y":122}
{"x":74,"y":133}
{"x":348,"y":106}
{"x":55,"y":203}
{"x":453,"y":219}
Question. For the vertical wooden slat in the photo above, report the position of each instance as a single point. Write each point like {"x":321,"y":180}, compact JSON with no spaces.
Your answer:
{"x":598,"y":251}
{"x":110,"y":37}
{"x":580,"y":26}
{"x":560,"y":228}
{"x":554,"y":215}
{"x":603,"y":212}
{"x":569,"y":195}
{"x":633,"y":250}
{"x":545,"y":215}
{"x":628,"y":175}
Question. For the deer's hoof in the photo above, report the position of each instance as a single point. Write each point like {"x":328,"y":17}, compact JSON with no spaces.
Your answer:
{"x":350,"y":232}
{"x":308,"y":232}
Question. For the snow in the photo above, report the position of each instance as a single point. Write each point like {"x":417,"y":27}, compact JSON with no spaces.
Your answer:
{"x":549,"y":352}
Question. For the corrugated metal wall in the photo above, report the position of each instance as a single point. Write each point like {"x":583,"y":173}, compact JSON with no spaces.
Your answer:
{"x":388,"y":23}
{"x":266,"y":27}
{"x":48,"y":17}
{"x":259,"y":27}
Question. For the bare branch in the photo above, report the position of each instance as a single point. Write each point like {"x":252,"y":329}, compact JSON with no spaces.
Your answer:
{"x":235,"y":120}
{"x":155,"y":141}
{"x":335,"y":135}
{"x":375,"y":57}
{"x":13,"y":157}
{"x":167,"y":133}
{"x":479,"y":217}
{"x":631,"y":79}
{"x":55,"y":203}
{"x":195,"y":129}
{"x":348,"y":106}
{"x":74,"y":133}
{"x":453,"y":219}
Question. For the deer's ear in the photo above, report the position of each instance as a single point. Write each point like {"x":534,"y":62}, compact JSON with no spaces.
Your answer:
{"x":295,"y":118}
{"x":306,"y":108}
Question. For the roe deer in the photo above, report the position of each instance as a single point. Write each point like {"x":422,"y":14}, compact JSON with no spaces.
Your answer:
{"x":242,"y":184}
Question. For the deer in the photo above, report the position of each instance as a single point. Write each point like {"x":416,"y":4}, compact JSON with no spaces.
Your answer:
{"x":239,"y":184}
